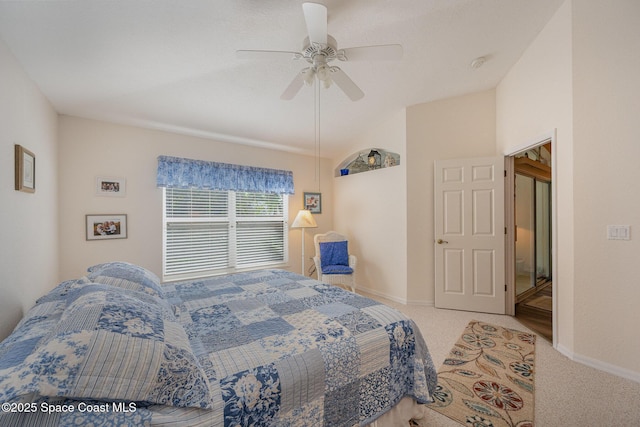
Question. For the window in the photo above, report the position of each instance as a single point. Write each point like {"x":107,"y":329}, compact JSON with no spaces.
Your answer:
{"x":210,"y":232}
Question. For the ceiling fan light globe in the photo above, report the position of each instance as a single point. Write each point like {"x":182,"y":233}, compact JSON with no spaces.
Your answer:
{"x":309,"y":77}
{"x":323,"y":73}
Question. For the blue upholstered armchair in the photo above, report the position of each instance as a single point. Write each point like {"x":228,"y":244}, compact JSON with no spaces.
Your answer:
{"x":333,"y":262}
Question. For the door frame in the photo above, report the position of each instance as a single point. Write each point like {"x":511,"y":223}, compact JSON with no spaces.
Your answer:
{"x":510,"y":247}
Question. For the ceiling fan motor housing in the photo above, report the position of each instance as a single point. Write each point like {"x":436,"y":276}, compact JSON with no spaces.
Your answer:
{"x":326,"y":53}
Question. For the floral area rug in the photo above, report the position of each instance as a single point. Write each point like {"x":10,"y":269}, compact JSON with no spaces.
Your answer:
{"x":487,"y":379}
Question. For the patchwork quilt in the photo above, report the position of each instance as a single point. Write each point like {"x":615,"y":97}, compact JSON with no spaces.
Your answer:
{"x":263,"y":348}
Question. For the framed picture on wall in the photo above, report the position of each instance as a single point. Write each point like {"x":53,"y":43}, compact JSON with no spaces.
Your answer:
{"x":25,"y":170}
{"x":313,"y":202}
{"x":106,"y":227}
{"x":111,"y":186}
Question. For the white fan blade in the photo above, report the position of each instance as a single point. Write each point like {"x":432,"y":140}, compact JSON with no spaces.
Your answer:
{"x":381,"y":52}
{"x":265,"y":54}
{"x":294,"y":87}
{"x":346,"y":84}
{"x":315,"y":16}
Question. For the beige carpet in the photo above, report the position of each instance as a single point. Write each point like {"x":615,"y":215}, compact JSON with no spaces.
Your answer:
{"x":568,"y":394}
{"x":487,"y":379}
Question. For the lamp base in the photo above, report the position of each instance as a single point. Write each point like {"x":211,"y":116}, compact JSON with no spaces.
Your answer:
{"x":302,"y":263}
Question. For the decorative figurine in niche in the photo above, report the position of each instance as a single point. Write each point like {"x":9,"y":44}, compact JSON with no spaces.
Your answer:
{"x":389,"y":161}
{"x":374,"y":159}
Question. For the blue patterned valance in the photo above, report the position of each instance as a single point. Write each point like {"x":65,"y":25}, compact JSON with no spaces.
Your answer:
{"x":175,"y":172}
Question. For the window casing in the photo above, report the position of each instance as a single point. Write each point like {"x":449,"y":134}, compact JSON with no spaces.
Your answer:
{"x":208,"y":232}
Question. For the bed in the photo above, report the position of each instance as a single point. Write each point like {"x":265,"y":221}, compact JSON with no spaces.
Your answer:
{"x":261,"y":348}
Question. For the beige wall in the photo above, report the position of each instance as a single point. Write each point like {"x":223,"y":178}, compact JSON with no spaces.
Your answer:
{"x":606,"y":43}
{"x":388,"y":213}
{"x":580,"y":77}
{"x":452,"y":128}
{"x":91,"y":148}
{"x":370,"y":207}
{"x":29,"y":232}
{"x":533,"y":99}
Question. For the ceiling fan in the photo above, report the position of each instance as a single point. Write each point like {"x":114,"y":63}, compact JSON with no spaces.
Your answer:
{"x":319,"y":50}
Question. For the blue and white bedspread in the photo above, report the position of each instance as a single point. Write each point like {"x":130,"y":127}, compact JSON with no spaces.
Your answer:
{"x":265,"y":348}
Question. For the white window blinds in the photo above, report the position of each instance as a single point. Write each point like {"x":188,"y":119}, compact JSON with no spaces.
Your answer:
{"x":211,"y":232}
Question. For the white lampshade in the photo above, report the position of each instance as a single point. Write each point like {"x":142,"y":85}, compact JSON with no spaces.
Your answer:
{"x":304,"y":219}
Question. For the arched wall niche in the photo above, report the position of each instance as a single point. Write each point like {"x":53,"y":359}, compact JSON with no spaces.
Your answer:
{"x":366,"y":161}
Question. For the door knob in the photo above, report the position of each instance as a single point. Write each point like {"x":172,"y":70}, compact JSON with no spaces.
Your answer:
{"x":440,"y":241}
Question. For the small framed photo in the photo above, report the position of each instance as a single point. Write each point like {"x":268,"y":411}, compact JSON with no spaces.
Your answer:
{"x":106,"y":227}
{"x":111,"y":186}
{"x":25,"y":170}
{"x":313,"y":202}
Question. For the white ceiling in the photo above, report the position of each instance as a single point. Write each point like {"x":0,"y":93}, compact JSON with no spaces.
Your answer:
{"x":171,"y":64}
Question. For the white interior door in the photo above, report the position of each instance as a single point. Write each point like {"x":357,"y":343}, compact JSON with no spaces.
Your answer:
{"x":469,"y":234}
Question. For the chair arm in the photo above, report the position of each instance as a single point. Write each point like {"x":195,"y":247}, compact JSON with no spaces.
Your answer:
{"x":353,"y":261}
{"x":316,"y":261}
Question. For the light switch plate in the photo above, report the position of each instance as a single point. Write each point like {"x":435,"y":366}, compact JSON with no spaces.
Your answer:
{"x":618,"y":232}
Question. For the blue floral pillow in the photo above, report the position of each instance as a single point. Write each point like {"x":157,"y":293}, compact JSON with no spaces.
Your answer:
{"x":127,"y":276}
{"x":334,"y":258}
{"x":109,"y":344}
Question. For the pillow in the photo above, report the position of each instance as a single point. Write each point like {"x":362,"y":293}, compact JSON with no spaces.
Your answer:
{"x":337,"y":269}
{"x":127,"y":276}
{"x":36,"y":324}
{"x":110,"y":344}
{"x":334,"y":253}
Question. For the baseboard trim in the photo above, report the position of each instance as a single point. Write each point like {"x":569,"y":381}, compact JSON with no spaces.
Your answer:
{"x":404,"y":301}
{"x":382,"y":295}
{"x":600,"y":365}
{"x":422,"y":303}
